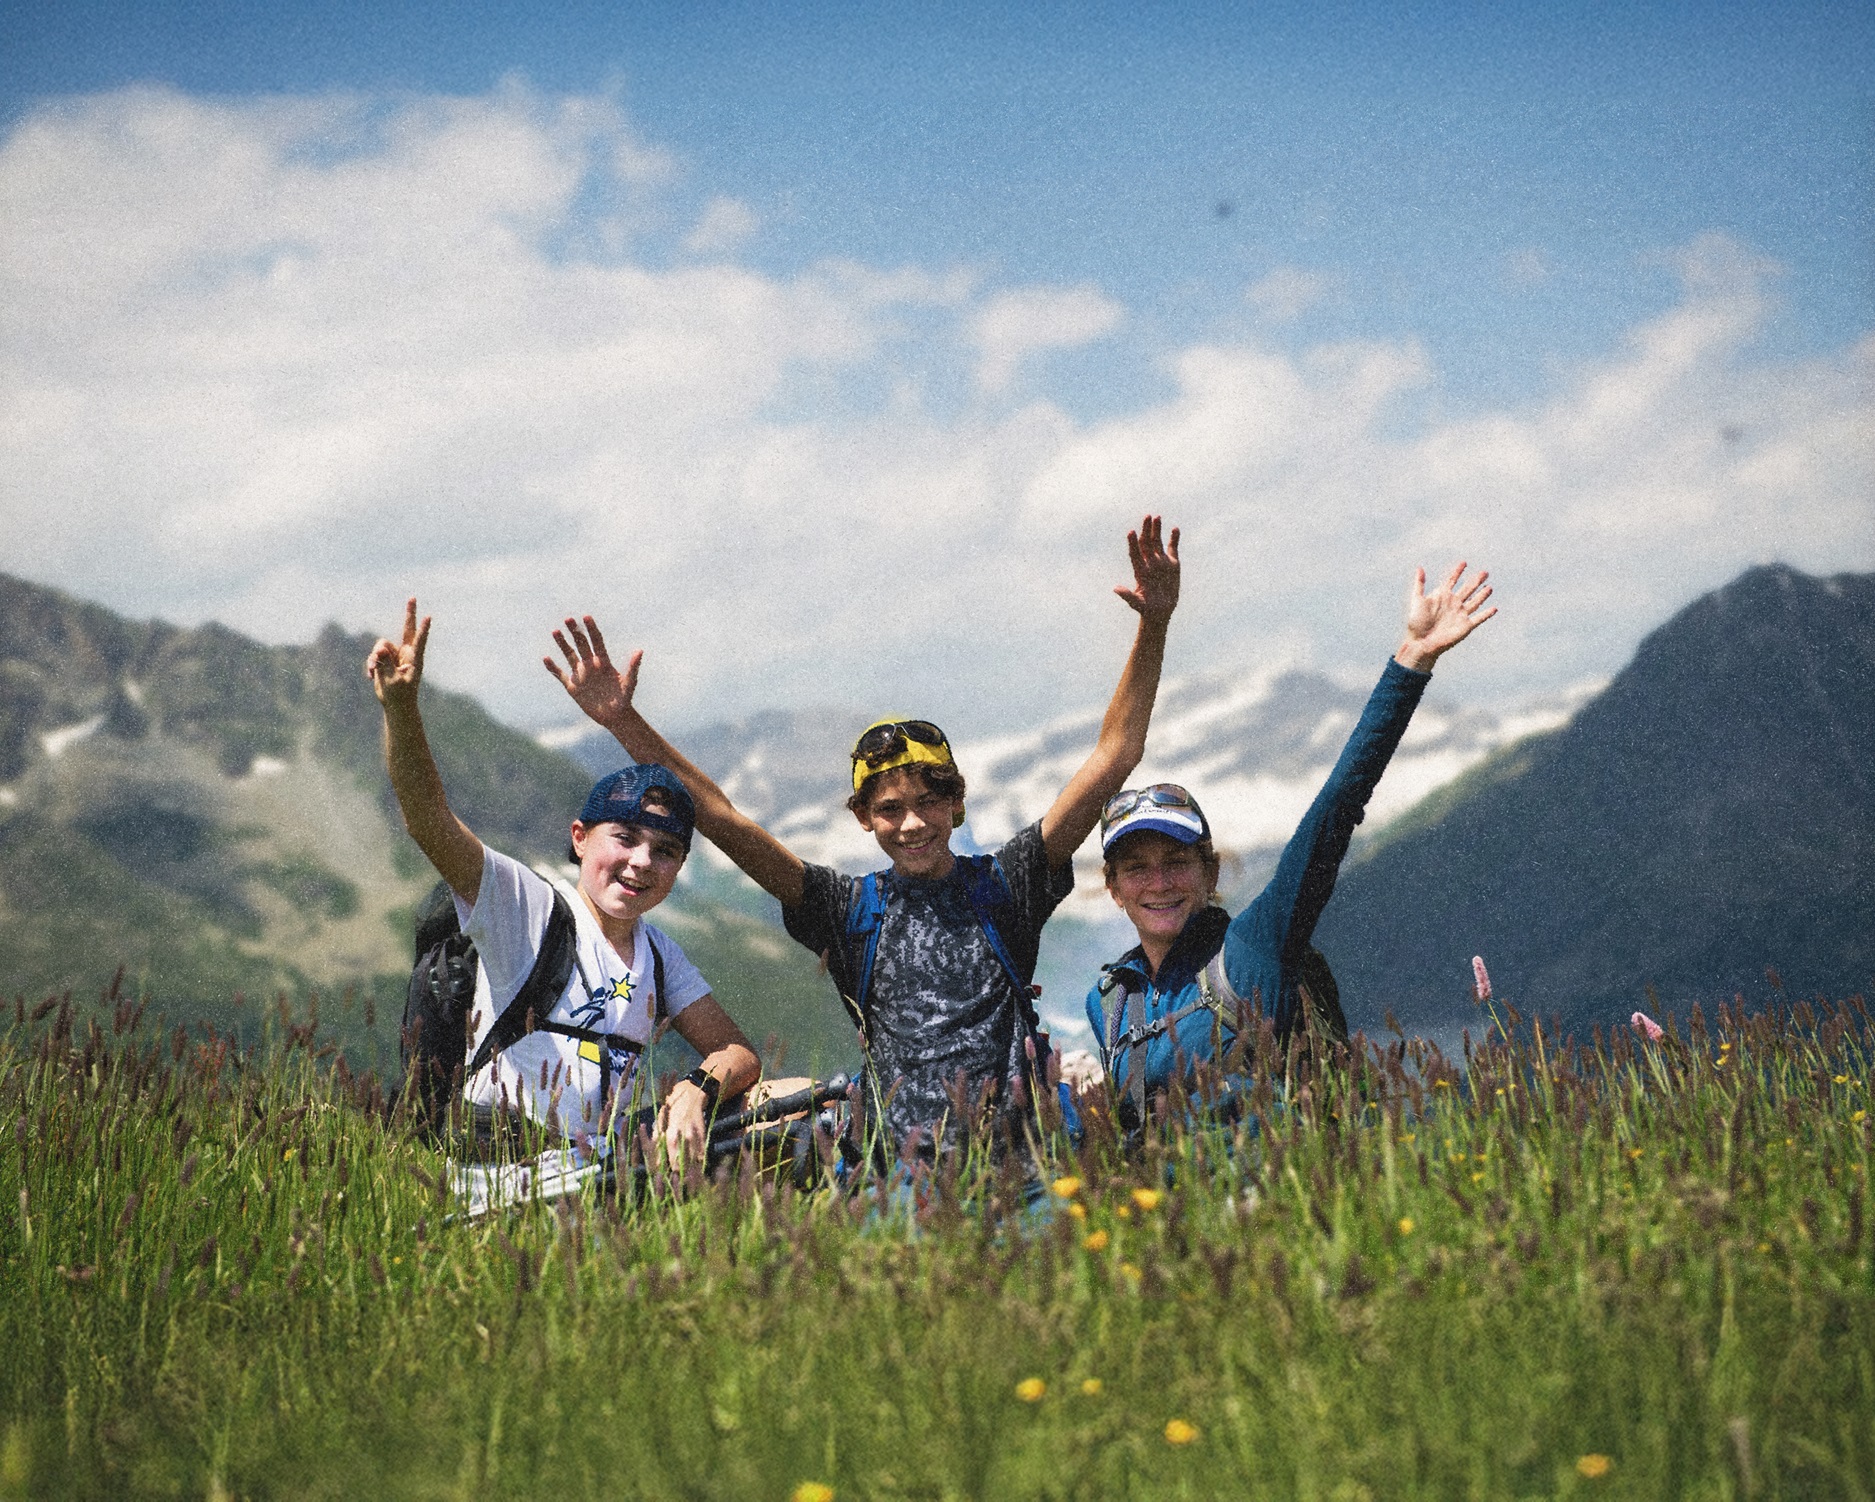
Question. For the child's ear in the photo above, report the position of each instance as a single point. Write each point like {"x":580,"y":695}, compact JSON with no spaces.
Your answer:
{"x":863,"y":814}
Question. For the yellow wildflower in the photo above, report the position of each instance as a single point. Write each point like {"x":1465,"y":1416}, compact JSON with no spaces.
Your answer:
{"x":287,"y":1156}
{"x":1031,"y":1389}
{"x":1842,"y":1079}
{"x":811,"y":1491}
{"x":1406,"y":1225}
{"x":1090,"y":1387}
{"x":1077,"y":1211}
{"x":1125,"y":1212}
{"x":1147,"y":1199}
{"x":1594,"y":1467}
{"x":1637,"y":1152}
{"x":1477,"y":1178}
{"x":1130,"y":1270}
{"x":1858,"y":1117}
{"x":1096,"y":1241}
{"x":1067,"y":1187}
{"x":1178,"y":1432}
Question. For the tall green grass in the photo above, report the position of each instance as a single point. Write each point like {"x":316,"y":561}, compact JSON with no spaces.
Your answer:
{"x":1600,"y":1270}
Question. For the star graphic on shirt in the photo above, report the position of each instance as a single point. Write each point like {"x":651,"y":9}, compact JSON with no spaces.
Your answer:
{"x":617,"y":988}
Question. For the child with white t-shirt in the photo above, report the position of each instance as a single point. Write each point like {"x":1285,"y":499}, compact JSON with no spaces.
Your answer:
{"x":630,"y":840}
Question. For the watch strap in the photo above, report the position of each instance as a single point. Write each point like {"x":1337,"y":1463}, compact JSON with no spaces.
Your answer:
{"x":708,"y":1083}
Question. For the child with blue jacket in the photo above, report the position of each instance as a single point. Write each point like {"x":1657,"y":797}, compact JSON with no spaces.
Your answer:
{"x":1175,"y":998}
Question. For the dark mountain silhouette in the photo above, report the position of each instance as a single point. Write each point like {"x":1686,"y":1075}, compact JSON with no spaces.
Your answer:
{"x":1709,"y":815}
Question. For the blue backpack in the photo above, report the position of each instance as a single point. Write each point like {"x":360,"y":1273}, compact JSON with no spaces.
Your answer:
{"x":988,"y":892}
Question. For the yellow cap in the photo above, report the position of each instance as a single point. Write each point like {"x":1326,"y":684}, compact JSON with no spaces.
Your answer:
{"x":910,"y":752}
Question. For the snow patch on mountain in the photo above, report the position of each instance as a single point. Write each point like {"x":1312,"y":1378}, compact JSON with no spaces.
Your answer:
{"x":1255,"y":749}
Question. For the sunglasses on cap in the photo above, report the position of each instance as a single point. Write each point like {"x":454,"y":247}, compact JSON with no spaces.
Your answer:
{"x":1159,"y":795}
{"x":887,"y":739}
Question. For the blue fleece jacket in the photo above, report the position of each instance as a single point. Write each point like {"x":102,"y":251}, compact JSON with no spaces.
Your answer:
{"x":1264,"y":944}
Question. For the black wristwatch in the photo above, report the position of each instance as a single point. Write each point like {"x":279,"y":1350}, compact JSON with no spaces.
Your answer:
{"x":708,"y":1083}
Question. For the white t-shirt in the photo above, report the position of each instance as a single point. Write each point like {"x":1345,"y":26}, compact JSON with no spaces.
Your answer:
{"x":604,"y":994}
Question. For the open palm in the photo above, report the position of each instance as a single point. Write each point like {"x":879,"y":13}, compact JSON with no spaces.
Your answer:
{"x":1437,"y":622}
{"x":590,"y":677}
{"x":1155,"y":570}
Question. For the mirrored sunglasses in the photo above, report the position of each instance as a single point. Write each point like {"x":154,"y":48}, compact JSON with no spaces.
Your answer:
{"x":1159,"y":795}
{"x":883,"y":742}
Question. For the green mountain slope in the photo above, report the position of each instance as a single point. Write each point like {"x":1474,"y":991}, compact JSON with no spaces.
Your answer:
{"x":213,"y":814}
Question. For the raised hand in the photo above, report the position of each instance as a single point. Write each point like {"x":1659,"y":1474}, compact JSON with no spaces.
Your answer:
{"x":596,"y":686}
{"x":396,"y":669}
{"x":1155,"y":571}
{"x":1437,"y":622}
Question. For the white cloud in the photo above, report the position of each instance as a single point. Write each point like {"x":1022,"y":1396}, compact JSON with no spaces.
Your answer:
{"x":280,"y":361}
{"x":1288,"y":292}
{"x":724,"y":224}
{"x":1014,"y":325}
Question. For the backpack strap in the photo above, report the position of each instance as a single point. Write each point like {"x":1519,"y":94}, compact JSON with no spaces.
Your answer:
{"x":1123,"y":1021}
{"x":1129,"y":1029}
{"x":988,"y":891}
{"x":864,"y":917}
{"x":662,"y":1014}
{"x":552,"y":968}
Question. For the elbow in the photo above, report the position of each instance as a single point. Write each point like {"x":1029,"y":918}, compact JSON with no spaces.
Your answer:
{"x":1120,"y":749}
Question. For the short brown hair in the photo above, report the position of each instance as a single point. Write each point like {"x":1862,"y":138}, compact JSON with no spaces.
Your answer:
{"x":945,"y":781}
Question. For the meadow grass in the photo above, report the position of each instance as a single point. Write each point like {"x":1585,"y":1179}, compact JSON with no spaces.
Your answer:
{"x":1600,"y":1270}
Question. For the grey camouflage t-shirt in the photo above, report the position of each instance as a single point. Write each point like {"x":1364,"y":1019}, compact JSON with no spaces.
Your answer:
{"x":941,"y":1005}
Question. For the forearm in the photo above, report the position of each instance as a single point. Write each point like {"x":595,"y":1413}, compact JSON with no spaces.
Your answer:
{"x":769,"y":863}
{"x":449,"y":844}
{"x":735,"y":1067}
{"x":1291,"y":904}
{"x":1129,"y":715}
{"x":1121,"y":745}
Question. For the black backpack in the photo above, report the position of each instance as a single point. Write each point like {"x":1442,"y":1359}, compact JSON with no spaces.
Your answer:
{"x":441,"y":1000}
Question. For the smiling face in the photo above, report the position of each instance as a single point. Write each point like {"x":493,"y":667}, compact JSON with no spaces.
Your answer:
{"x":625,"y":870}
{"x":1159,"y":884}
{"x":911,"y":822}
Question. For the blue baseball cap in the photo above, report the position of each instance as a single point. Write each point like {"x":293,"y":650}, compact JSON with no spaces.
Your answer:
{"x":646,"y":794}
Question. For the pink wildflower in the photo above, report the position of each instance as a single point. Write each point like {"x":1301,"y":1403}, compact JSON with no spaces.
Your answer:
{"x":1481,"y":978}
{"x":1647,"y":1027}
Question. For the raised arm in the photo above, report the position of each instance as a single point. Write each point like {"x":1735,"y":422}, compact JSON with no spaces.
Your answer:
{"x":396,"y":672}
{"x":1154,"y":595}
{"x":1281,"y":921}
{"x":606,"y":694}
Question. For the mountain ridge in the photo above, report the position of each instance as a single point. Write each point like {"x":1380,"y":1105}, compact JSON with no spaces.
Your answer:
{"x":214,"y":814}
{"x":1707,"y":817}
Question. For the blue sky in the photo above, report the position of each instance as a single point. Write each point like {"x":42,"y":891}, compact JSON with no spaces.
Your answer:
{"x":1509,"y":201}
{"x":1491,"y":176}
